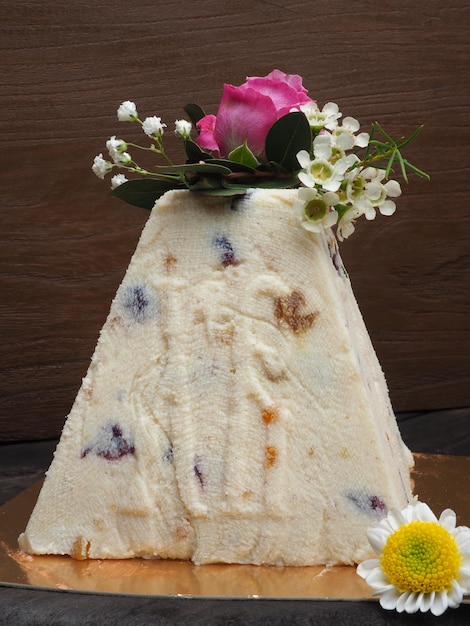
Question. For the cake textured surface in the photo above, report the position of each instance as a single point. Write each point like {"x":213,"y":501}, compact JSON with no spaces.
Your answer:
{"x":234,"y":409}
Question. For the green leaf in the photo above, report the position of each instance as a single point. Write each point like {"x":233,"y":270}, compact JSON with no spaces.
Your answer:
{"x":286,"y":137}
{"x":194,"y":154}
{"x":194,"y":112}
{"x":232,"y":165}
{"x":341,"y":209}
{"x":199,"y":168}
{"x":225,"y":191}
{"x":262,"y":183}
{"x":144,"y":192}
{"x":244,"y":156}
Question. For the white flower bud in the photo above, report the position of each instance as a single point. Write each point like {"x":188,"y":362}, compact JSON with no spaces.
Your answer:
{"x":153,"y":127}
{"x":127,"y":112}
{"x":183,"y":128}
{"x":116,"y":148}
{"x":117,"y":180}
{"x":100,"y":166}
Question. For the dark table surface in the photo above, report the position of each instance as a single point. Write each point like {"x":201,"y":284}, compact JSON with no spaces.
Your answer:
{"x":22,"y":464}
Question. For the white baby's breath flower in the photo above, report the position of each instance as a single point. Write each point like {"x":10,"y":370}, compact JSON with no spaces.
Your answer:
{"x":127,"y":112}
{"x":153,"y":127}
{"x":183,"y":128}
{"x":101,"y":167}
{"x":117,"y":150}
{"x":424,"y":562}
{"x":118,"y":180}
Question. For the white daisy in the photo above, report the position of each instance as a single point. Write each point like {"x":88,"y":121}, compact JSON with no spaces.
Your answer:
{"x":424,"y":562}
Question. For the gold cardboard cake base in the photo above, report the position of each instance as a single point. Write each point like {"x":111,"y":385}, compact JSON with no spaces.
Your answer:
{"x":441,"y":481}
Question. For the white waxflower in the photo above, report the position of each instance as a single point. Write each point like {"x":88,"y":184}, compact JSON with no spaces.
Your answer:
{"x":127,"y":112}
{"x":424,"y":562}
{"x":321,"y":171}
{"x":346,"y":225}
{"x":153,"y":127}
{"x":315,"y":209}
{"x":183,"y":128}
{"x":326,"y":118}
{"x":117,"y":150}
{"x":367,"y":192}
{"x":345,"y":138}
{"x":101,"y":167}
{"x":118,"y":180}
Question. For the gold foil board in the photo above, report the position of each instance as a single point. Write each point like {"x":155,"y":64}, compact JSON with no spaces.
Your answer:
{"x":441,"y":481}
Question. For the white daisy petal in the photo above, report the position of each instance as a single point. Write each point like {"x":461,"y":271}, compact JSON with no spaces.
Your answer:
{"x":440,"y":604}
{"x":377,"y":580}
{"x":424,"y":513}
{"x":463,"y":541}
{"x":364,"y":568}
{"x":455,"y":595}
{"x":413,"y":602}
{"x":402,"y":600}
{"x":396,"y":519}
{"x":426,"y":601}
{"x":448,"y":519}
{"x":464,"y":579}
{"x":389,"y":599}
{"x":378,"y":538}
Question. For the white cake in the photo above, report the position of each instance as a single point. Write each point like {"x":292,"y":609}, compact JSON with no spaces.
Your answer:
{"x":234,"y":409}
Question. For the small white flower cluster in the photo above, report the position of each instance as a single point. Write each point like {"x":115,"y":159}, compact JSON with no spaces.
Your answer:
{"x":153,"y":127}
{"x":339,"y":189}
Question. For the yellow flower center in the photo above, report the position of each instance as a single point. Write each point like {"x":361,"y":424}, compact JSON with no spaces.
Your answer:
{"x":421,"y":556}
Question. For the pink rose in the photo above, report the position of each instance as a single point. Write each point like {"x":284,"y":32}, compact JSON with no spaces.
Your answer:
{"x":246,"y":113}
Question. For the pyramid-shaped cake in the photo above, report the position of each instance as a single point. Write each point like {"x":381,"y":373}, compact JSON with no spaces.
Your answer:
{"x":234,"y":409}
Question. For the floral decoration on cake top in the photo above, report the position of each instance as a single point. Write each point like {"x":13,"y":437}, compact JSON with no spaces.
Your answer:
{"x":268,"y":133}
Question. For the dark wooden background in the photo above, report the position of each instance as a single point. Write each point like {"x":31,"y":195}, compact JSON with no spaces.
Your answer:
{"x":65,"y":67}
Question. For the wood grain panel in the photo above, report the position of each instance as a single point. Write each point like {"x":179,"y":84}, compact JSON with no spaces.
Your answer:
{"x":64,"y":69}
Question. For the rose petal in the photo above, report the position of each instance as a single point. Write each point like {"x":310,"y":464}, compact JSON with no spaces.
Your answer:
{"x":206,"y":139}
{"x":243,"y":115}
